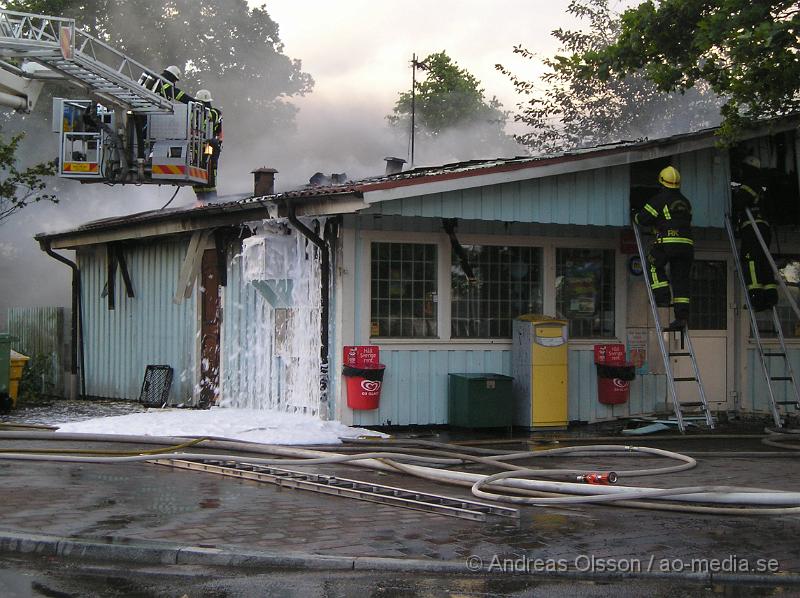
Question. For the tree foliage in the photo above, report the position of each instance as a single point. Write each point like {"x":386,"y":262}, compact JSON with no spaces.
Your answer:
{"x":448,"y":97}
{"x":748,"y":52}
{"x":20,"y":186}
{"x":566,"y":110}
{"x":222,"y":45}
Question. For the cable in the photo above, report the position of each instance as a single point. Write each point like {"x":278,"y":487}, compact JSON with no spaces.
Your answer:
{"x":171,"y":198}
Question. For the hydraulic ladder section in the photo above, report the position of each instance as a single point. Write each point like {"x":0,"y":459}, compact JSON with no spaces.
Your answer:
{"x":666,"y":354}
{"x":59,"y":45}
{"x":329,"y":484}
{"x":763,"y":354}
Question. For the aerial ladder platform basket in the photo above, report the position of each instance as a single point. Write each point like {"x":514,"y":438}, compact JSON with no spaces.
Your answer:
{"x":123,"y":132}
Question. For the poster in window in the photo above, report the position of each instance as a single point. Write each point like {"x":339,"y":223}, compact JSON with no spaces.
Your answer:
{"x":637,"y":348}
{"x":580,"y":288}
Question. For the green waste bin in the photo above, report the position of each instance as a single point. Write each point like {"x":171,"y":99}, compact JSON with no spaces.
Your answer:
{"x":480,"y":400}
{"x":5,"y":370}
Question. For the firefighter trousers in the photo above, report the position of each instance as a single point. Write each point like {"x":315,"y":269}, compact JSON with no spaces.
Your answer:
{"x":758,"y":275}
{"x":679,"y":258}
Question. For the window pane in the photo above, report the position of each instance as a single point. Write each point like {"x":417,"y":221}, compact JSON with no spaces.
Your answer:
{"x":403,"y":302}
{"x":585,"y":291}
{"x":508,"y":283}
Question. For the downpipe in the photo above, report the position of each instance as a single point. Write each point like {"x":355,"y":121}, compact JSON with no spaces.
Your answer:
{"x":76,"y":324}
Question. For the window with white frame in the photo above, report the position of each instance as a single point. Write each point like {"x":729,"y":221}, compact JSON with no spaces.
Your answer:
{"x":585,"y":291}
{"x":404,"y":297}
{"x":508,"y":283}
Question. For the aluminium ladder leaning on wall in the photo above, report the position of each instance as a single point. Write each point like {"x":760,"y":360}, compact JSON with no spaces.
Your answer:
{"x":686,"y":341}
{"x":789,"y":376}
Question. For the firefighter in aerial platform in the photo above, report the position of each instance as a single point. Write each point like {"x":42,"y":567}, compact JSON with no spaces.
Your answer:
{"x":748,"y":192}
{"x":213,"y":148}
{"x":669,"y":213}
{"x":163,"y":85}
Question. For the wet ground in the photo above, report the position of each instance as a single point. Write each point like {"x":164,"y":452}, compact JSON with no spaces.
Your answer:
{"x":144,"y":502}
{"x":30,"y":577}
{"x":51,"y":412}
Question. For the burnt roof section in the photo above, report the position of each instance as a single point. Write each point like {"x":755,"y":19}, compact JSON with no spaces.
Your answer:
{"x":255,"y":207}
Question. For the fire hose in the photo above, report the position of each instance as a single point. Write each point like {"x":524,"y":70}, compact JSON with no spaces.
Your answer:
{"x":516,"y":479}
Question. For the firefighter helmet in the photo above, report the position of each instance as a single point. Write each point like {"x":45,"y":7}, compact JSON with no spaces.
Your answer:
{"x":752,"y":161}
{"x":174,"y":71}
{"x":670,"y":177}
{"x":203,"y":95}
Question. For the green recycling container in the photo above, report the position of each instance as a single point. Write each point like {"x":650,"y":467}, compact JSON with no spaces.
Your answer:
{"x":5,"y":370}
{"x":480,"y":400}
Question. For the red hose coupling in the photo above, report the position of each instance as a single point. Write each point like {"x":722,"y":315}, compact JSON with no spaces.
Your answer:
{"x":600,"y":479}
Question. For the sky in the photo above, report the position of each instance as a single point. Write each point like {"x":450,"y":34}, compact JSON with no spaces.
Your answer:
{"x":363,"y":48}
{"x":359,"y":54}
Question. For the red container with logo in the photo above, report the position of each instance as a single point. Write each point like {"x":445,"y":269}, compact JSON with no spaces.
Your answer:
{"x":614,"y":374}
{"x":364,"y":386}
{"x":363,"y":376}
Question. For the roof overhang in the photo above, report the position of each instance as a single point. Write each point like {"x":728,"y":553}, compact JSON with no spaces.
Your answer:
{"x":158,"y":224}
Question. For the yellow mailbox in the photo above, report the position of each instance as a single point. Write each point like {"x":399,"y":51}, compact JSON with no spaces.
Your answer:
{"x":539,"y":367}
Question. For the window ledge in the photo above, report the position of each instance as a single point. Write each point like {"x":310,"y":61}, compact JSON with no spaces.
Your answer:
{"x":577,"y":344}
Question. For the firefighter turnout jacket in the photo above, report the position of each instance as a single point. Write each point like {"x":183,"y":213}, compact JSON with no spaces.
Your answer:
{"x":669,"y":213}
{"x":747,"y":195}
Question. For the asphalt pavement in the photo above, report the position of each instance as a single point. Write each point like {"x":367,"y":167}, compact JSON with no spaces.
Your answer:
{"x":67,"y":523}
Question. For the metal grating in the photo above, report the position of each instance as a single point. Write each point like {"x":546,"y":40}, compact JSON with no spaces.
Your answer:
{"x":156,"y":385}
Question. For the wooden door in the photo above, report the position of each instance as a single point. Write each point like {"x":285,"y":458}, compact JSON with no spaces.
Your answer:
{"x":210,"y":323}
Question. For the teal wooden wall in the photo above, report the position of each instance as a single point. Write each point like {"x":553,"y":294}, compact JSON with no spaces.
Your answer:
{"x":415,"y":386}
{"x":755,"y":397}
{"x":595,"y":197}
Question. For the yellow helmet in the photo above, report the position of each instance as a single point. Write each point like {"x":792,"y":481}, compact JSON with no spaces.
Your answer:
{"x":670,"y":177}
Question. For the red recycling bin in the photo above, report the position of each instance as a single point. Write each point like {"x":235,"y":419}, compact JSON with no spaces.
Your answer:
{"x":614,"y":374}
{"x":364,"y":385}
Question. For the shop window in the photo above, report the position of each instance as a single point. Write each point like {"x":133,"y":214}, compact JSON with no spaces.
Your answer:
{"x":585,"y":291}
{"x":508,"y":283}
{"x":709,"y":293}
{"x":404,"y":292}
{"x":790,"y":268}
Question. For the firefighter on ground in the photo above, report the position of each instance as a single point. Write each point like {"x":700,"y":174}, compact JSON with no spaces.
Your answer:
{"x":213,"y":147}
{"x":748,"y":192}
{"x":669,"y":213}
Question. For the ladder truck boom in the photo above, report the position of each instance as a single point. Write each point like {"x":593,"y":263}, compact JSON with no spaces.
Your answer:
{"x":121,"y":131}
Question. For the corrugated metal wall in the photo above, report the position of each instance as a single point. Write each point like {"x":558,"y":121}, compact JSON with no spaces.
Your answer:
{"x":595,"y":197}
{"x":264,"y":351}
{"x":147,"y":329}
{"x":415,"y":386}
{"x":40,"y":333}
{"x":247,"y":331}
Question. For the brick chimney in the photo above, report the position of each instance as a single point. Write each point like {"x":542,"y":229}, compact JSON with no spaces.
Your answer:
{"x":264,"y":181}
